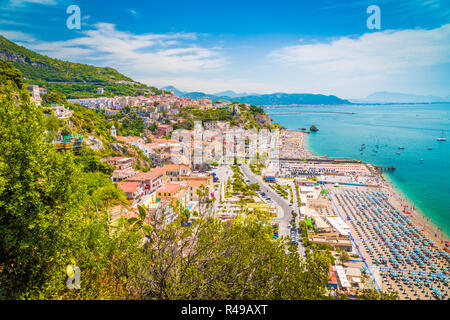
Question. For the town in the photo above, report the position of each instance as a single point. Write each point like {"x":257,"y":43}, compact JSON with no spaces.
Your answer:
{"x":240,"y":163}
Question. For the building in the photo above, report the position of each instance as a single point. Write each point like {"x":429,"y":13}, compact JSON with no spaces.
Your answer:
{"x":164,"y":130}
{"x":110,"y":112}
{"x":216,"y":125}
{"x":205,"y":179}
{"x":113,"y":131}
{"x":61,"y":112}
{"x":173,"y":192}
{"x":124,"y":168}
{"x":173,"y":172}
{"x":135,"y":141}
{"x":35,"y":94}
{"x":133,"y":190}
{"x":100,"y":90}
{"x":150,"y":181}
{"x":334,"y":240}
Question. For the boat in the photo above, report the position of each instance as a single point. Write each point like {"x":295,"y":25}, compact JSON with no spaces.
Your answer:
{"x":401,"y":148}
{"x":421,"y":160}
{"x":398,"y":153}
{"x":430,"y":148}
{"x":441,"y":138}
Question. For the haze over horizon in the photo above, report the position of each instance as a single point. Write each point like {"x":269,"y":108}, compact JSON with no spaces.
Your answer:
{"x":323,"y":47}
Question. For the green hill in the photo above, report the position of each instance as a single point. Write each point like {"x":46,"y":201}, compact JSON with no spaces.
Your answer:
{"x":75,"y":80}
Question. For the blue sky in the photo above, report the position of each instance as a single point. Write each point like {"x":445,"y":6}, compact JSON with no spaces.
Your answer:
{"x":320,"y":46}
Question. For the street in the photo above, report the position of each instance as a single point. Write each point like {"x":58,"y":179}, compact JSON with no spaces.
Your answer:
{"x":284,"y":208}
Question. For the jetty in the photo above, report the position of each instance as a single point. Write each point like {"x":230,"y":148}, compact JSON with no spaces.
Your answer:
{"x":385,"y":168}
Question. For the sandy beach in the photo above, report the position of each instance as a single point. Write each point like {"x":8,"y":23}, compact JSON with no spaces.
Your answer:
{"x":419,"y":218}
{"x":399,"y":246}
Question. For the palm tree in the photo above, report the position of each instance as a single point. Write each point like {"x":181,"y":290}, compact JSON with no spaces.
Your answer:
{"x":203,"y":196}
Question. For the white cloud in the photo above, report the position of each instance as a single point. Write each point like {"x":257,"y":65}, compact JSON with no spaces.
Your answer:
{"x":17,"y":36}
{"x":381,"y":52}
{"x":354,"y":67}
{"x":135,"y":54}
{"x":21,"y":3}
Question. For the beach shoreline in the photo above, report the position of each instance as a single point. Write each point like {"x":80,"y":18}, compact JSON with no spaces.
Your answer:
{"x":419,"y":218}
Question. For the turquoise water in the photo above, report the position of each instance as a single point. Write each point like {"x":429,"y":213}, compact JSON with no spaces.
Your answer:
{"x":414,"y":127}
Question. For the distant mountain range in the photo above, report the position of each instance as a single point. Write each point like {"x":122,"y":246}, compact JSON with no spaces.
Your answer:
{"x":395,"y":97}
{"x":274,"y":99}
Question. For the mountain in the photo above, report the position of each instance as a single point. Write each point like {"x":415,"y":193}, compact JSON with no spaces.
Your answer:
{"x":174,"y":90}
{"x":292,"y":99}
{"x":262,"y":99}
{"x":395,"y":97}
{"x":75,"y":80}
{"x":232,"y":94}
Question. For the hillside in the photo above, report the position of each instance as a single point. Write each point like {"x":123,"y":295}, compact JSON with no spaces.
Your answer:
{"x":75,"y":80}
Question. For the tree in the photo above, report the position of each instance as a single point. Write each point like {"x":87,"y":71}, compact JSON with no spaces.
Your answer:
{"x":216,"y":260}
{"x":54,"y":97}
{"x":343,"y":256}
{"x":48,"y":219}
{"x":9,"y":74}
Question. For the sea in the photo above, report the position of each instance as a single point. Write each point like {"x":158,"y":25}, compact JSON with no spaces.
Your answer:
{"x":398,"y":135}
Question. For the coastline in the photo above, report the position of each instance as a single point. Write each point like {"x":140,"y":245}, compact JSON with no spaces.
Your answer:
{"x":417,"y":216}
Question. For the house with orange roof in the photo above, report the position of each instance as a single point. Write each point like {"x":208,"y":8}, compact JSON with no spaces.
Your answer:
{"x":205,"y":179}
{"x":173,"y":192}
{"x":133,"y":190}
{"x":150,"y":180}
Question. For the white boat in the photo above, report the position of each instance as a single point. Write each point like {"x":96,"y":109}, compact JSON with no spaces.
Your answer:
{"x":441,"y":138}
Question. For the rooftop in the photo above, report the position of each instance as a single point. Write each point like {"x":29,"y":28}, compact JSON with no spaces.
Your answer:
{"x":128,"y":186}
{"x":169,"y":188}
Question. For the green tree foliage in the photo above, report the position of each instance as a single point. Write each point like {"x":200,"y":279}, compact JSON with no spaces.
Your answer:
{"x":343,"y":256}
{"x":46,"y":216}
{"x":10,"y":74}
{"x":54,"y":97}
{"x":216,"y":260}
{"x":132,"y":125}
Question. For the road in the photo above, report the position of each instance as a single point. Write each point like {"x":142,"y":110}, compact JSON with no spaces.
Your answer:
{"x":284,"y":208}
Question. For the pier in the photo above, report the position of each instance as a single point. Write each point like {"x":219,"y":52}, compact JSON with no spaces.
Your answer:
{"x":385,"y":168}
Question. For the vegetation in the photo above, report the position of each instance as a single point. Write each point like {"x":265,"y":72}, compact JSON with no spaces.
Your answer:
{"x":51,"y":213}
{"x":74,"y":80}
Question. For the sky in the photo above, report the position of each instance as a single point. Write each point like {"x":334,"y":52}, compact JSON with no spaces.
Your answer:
{"x":321,"y":46}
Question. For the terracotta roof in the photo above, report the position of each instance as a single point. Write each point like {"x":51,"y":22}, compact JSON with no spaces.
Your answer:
{"x":115,"y":158}
{"x":128,"y":186}
{"x":144,"y":176}
{"x":196,"y":183}
{"x":171,"y":188}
